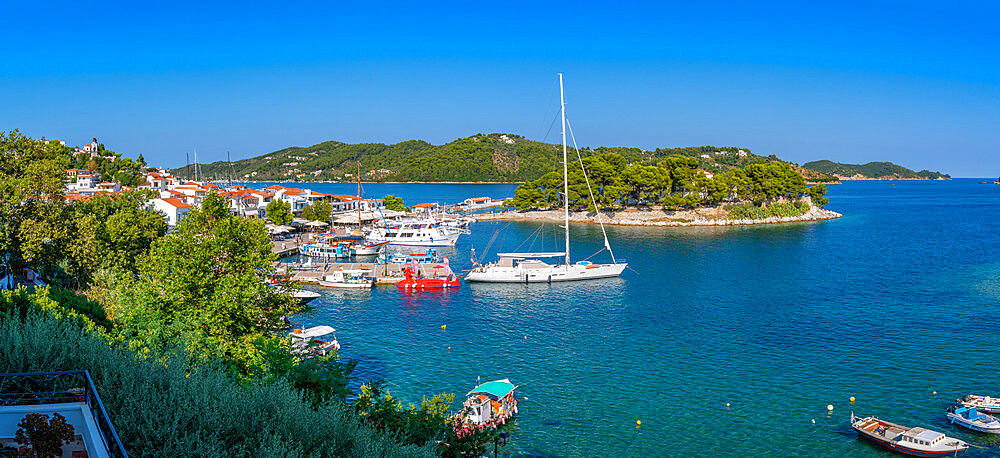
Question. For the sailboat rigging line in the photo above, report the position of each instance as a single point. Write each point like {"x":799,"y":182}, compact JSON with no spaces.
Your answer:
{"x":384,"y":222}
{"x":592,"y":200}
{"x":493,"y":239}
{"x":595,"y":254}
{"x":553,"y":124}
{"x":548,"y":105}
{"x":532,"y":236}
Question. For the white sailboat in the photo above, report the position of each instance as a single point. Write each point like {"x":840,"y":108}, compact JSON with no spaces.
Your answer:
{"x":529,"y":267}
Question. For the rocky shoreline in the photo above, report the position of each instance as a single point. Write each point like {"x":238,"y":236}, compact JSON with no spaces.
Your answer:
{"x":705,"y":216}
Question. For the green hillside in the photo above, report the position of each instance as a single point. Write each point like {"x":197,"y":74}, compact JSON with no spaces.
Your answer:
{"x":494,"y":157}
{"x":873,"y":170}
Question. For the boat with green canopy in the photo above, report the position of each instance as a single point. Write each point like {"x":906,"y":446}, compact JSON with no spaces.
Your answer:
{"x":487,"y":406}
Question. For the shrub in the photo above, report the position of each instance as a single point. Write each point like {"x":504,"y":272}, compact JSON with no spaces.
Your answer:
{"x":748,"y":210}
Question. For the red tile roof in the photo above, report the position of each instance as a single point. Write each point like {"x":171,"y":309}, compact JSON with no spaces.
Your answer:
{"x":176,"y":202}
{"x":425,"y":205}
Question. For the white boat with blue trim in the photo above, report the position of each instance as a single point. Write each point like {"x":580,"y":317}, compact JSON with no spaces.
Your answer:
{"x":970,"y":418}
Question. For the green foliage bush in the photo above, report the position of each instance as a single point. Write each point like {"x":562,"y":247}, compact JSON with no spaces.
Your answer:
{"x":395,"y":203}
{"x":318,"y":211}
{"x":278,"y":212}
{"x":748,"y":210}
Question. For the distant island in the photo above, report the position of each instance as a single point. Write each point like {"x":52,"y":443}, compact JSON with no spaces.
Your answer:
{"x":872,"y":171}
{"x":495,"y":158}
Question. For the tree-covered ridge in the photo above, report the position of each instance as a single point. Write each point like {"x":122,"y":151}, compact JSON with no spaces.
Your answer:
{"x":672,"y":183}
{"x":493,"y":157}
{"x":873,"y":170}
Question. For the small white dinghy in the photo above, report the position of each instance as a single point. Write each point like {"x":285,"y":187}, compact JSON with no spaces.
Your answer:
{"x":981,"y":403}
{"x":305,"y":296}
{"x":970,"y":418}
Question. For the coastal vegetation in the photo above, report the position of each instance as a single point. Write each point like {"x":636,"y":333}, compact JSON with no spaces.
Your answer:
{"x":318,"y":211}
{"x":279,"y":212}
{"x":395,"y":203}
{"x":747,"y":210}
{"x":481,"y":157}
{"x":675,"y":182}
{"x":873,"y":170}
{"x":178,"y":329}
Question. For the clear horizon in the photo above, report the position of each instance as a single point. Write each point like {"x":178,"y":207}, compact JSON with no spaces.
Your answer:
{"x":909,"y":83}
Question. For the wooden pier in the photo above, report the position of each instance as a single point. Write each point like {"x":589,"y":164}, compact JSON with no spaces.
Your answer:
{"x":384,"y":274}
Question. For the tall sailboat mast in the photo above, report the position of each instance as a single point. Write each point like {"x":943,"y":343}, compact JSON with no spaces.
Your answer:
{"x":359,"y":196}
{"x":562,"y":104}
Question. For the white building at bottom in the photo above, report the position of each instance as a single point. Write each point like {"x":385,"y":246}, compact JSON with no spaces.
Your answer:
{"x":174,"y":208}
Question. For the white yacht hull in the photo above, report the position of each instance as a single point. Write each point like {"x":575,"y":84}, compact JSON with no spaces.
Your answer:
{"x":330,"y":284}
{"x":443,"y":241}
{"x":573,"y":272}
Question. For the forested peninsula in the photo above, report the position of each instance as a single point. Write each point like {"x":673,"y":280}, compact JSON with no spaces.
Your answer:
{"x":480,"y":158}
{"x":872,"y":171}
{"x":673,"y":192}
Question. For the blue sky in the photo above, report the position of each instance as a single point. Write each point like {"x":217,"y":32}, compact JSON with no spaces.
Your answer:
{"x":908,"y":82}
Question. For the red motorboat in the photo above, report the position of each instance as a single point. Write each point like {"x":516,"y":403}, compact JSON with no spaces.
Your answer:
{"x":451,"y":281}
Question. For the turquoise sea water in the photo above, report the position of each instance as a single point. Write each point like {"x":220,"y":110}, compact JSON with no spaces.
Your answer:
{"x":897,"y":299}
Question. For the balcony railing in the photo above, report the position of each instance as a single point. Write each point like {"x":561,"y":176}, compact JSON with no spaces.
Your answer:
{"x":33,"y":388}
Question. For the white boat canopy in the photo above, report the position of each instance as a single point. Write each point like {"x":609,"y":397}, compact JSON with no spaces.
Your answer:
{"x":314,"y":331}
{"x":316,"y":224}
{"x":531,"y":255}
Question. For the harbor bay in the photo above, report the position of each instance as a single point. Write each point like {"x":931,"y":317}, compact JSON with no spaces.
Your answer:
{"x":887,"y":304}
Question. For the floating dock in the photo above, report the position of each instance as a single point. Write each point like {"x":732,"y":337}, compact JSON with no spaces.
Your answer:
{"x":384,"y":274}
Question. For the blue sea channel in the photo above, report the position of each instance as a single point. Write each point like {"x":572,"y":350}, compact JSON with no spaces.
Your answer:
{"x":896,"y":300}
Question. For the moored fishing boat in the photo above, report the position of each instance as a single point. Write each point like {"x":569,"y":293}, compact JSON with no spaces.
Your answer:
{"x":970,"y":418}
{"x":981,"y":403}
{"x":488,"y":405}
{"x":347,"y":279}
{"x":911,"y":441}
{"x":326,"y":248}
{"x":314,"y":341}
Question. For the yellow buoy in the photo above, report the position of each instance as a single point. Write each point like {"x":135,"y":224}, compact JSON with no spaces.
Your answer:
{"x":638,"y":423}
{"x":727,"y":405}
{"x":443,"y":326}
{"x":852,"y":399}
